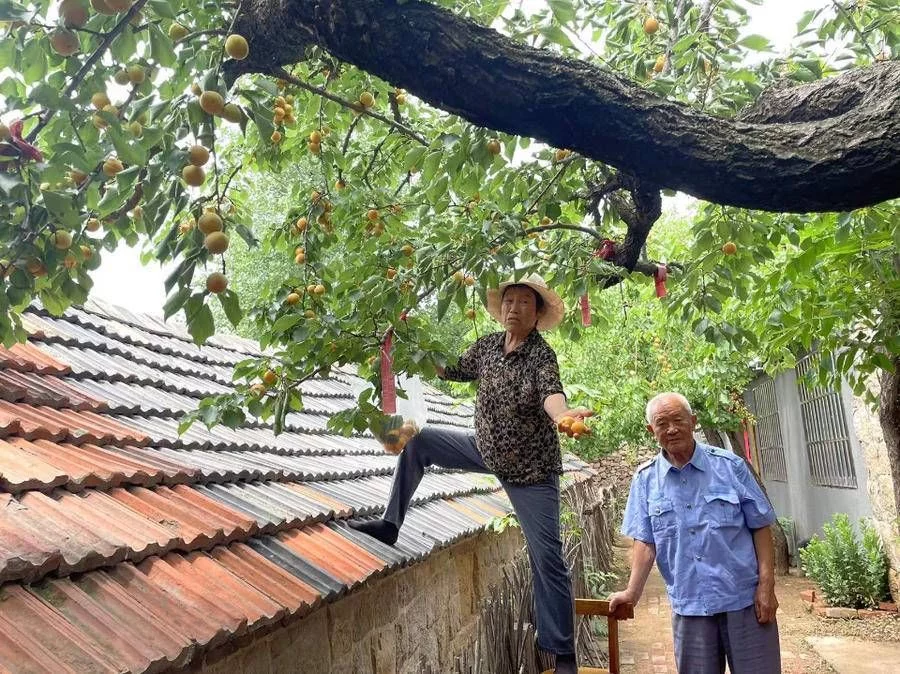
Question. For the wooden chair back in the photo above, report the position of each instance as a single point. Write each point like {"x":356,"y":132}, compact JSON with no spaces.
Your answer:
{"x":599,"y":607}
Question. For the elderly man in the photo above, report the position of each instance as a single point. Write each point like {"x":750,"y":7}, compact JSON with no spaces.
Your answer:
{"x":699,"y":512}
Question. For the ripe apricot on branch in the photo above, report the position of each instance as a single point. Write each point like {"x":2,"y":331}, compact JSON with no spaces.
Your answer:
{"x":212,"y":102}
{"x":216,"y":282}
{"x":177,"y":32}
{"x":232,"y":113}
{"x":651,"y":25}
{"x":102,"y":7}
{"x":136,"y":74}
{"x":198,"y":155}
{"x":193,"y":175}
{"x":74,"y":13}
{"x":112,"y":166}
{"x":216,"y":243}
{"x":118,"y":6}
{"x":62,"y":240}
{"x":209,"y":222}
{"x":730,"y":248}
{"x":493,"y":146}
{"x":64,"y":42}
{"x":236,"y":47}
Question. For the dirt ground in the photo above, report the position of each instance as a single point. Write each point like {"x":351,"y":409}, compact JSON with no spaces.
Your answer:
{"x":646,"y":642}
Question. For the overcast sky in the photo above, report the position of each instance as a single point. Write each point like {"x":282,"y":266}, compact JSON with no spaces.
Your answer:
{"x":123,"y":280}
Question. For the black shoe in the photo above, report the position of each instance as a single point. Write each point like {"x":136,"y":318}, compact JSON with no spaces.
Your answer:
{"x":382,"y":530}
{"x":566,"y":664}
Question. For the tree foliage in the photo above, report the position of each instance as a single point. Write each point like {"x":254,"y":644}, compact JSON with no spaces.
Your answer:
{"x":390,"y":209}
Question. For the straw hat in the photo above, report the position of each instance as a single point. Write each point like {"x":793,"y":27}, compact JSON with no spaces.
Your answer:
{"x":554,"y":309}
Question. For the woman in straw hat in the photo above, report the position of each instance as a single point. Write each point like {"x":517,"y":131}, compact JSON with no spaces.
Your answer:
{"x":520,"y":398}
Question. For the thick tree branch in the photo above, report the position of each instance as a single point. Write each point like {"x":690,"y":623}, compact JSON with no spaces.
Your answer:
{"x":838,"y":160}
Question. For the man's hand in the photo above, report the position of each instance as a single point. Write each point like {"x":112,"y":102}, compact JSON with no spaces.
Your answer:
{"x":616,"y":599}
{"x":766,"y":603}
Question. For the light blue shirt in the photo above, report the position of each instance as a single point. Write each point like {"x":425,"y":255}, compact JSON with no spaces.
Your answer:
{"x":700,"y":518}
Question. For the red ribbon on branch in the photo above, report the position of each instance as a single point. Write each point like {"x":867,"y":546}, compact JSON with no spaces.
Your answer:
{"x":23,"y":148}
{"x":388,"y":388}
{"x":606,"y":250}
{"x":585,"y":310}
{"x":659,"y":279}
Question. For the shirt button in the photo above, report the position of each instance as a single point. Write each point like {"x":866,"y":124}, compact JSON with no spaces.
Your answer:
{"x":688,"y":506}
{"x":684,"y":482}
{"x":697,"y":558}
{"x":692,"y":532}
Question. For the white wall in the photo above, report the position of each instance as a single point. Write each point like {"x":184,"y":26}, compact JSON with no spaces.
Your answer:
{"x":807,"y":504}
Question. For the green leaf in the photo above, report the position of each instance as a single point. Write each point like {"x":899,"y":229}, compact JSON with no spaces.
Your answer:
{"x":756,"y":43}
{"x":175,"y":302}
{"x":285,"y":323}
{"x":556,"y":35}
{"x":161,"y":47}
{"x":563,"y":11}
{"x":163,"y":8}
{"x":232,"y":307}
{"x":62,"y":208}
{"x":127,"y":150}
{"x":201,"y":325}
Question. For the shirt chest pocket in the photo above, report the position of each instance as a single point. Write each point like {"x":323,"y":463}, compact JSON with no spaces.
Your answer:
{"x":662,"y":518}
{"x":723,"y":509}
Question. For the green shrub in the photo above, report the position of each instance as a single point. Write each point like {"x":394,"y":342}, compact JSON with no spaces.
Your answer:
{"x":849,"y":571}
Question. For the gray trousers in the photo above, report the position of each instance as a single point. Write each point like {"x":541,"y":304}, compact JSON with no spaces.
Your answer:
{"x":537,"y":509}
{"x":703,"y":644}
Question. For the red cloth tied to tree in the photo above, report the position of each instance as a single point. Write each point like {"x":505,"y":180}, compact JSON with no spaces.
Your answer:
{"x":23,"y":148}
{"x":388,"y":388}
{"x":659,"y":278}
{"x":585,"y":310}
{"x":606,"y":250}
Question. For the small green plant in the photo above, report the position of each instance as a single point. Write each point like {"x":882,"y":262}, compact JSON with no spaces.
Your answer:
{"x":850,"y":571}
{"x":500,"y":524}
{"x":600,"y":583}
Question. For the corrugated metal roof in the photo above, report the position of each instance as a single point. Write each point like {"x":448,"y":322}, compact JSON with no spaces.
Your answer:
{"x":116,"y":532}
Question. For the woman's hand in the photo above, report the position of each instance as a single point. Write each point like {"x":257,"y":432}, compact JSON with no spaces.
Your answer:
{"x":577,"y":413}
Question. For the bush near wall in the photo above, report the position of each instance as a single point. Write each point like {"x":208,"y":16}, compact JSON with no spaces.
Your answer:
{"x":850,"y":570}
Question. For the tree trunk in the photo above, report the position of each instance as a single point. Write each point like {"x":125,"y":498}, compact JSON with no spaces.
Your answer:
{"x":889,"y":416}
{"x":826,"y":146}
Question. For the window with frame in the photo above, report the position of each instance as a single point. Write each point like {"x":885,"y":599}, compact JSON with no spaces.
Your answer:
{"x":764,"y":403}
{"x":825,"y":427}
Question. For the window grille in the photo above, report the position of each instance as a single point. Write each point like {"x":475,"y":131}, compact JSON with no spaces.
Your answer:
{"x":825,"y":426}
{"x":768,"y":430}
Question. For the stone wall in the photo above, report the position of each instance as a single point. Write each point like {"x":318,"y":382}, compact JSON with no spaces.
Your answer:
{"x":416,"y":619}
{"x":880,"y":485}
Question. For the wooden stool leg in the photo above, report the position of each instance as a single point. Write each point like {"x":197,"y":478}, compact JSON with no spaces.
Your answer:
{"x":613,"y":630}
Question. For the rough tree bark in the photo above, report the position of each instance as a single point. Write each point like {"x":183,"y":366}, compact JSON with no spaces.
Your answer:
{"x":889,"y":416}
{"x":825,"y":146}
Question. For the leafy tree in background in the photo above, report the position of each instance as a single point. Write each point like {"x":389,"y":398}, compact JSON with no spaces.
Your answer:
{"x":448,"y":142}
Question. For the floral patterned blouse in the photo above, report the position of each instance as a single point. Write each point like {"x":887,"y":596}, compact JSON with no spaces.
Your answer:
{"x":517,"y":439}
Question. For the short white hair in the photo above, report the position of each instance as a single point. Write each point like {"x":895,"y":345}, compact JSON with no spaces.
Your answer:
{"x":658,"y":398}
